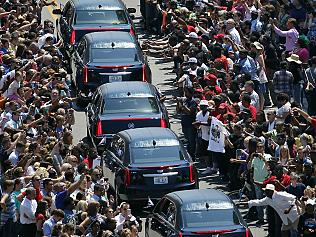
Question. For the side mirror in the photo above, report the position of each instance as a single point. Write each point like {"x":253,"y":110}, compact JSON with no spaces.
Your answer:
{"x":57,"y":11}
{"x":131,"y":10}
{"x":132,"y":17}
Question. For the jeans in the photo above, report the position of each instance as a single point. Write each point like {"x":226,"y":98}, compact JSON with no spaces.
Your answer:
{"x":259,"y":195}
{"x":190,"y":135}
{"x":297,"y":93}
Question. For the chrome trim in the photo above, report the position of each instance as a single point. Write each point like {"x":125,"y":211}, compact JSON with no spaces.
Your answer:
{"x":160,"y":175}
{"x":114,"y":73}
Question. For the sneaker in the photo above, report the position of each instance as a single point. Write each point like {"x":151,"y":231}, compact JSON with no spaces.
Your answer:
{"x":207,"y":171}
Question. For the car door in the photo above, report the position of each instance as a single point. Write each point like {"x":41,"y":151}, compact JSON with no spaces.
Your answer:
{"x":92,"y":113}
{"x":162,"y":222}
{"x":113,"y":161}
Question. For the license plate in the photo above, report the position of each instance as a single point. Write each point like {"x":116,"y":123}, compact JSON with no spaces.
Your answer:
{"x":115,"y":78}
{"x":160,"y":180}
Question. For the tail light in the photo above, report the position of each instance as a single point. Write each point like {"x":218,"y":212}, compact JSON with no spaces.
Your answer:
{"x":99,"y":128}
{"x":144,"y":73}
{"x":191,"y":175}
{"x":180,"y":234}
{"x":127,"y":177}
{"x":85,"y":75}
{"x":163,"y":123}
{"x":73,"y":37}
{"x":248,"y":234}
{"x":132,"y":31}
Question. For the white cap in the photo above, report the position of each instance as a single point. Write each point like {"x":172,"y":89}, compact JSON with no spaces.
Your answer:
{"x":204,"y":102}
{"x":192,"y":60}
{"x":193,"y":35}
{"x":269,"y":187}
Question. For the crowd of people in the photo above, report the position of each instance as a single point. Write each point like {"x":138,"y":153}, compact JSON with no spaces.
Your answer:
{"x":246,"y":77}
{"x":49,"y":185}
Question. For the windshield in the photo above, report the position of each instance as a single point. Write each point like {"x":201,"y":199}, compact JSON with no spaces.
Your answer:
{"x":210,"y":219}
{"x":100,"y":17}
{"x":130,"y":105}
{"x":116,"y":55}
{"x":156,"y":154}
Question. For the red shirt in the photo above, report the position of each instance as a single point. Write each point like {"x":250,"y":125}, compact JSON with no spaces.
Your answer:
{"x":285,"y":181}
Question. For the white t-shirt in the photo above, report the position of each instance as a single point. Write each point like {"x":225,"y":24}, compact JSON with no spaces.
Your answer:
{"x":255,"y":100}
{"x":217,"y":136}
{"x":205,"y":130}
{"x":283,"y":110}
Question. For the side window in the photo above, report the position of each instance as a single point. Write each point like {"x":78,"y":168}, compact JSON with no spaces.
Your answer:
{"x":168,"y":211}
{"x":82,"y":49}
{"x":66,"y":9}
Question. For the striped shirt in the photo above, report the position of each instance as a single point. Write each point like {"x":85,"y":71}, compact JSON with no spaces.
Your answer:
{"x":10,"y":213}
{"x":283,"y":81}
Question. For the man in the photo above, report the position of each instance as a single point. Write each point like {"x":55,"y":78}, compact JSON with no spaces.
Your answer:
{"x":203,"y":131}
{"x":248,"y":66}
{"x":27,"y":214}
{"x":306,"y":116}
{"x":291,"y":34}
{"x":284,"y":204}
{"x":47,"y":190}
{"x":260,"y":173}
{"x":283,"y":80}
{"x":256,"y":24}
{"x":270,"y":124}
{"x":99,"y":196}
{"x":249,"y":88}
{"x":14,"y":156}
{"x":56,"y":216}
{"x":230,"y":26}
{"x":284,"y":106}
{"x":307,"y":221}
{"x":187,"y":106}
{"x":15,"y":121}
{"x":246,"y":104}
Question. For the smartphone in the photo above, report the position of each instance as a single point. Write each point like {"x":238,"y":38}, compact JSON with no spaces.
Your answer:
{"x":238,"y":154}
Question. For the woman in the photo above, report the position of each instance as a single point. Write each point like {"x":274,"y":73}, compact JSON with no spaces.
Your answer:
{"x":302,"y":49}
{"x":8,"y":211}
{"x":284,"y":155}
{"x":95,"y":230}
{"x":258,"y":50}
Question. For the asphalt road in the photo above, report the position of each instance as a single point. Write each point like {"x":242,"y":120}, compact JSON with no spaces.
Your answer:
{"x":163,"y":80}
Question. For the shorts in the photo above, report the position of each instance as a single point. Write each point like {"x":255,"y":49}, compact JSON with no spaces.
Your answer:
{"x":262,"y":88}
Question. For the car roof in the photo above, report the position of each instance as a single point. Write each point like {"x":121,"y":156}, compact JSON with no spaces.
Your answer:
{"x":95,"y":4}
{"x":149,"y":133}
{"x":127,"y":89}
{"x":199,"y":195}
{"x":109,"y":37}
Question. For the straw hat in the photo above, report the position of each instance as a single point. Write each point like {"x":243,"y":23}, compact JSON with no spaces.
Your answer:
{"x":294,"y":58}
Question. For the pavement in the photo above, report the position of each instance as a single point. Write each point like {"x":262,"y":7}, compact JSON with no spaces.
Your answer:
{"x":163,"y":80}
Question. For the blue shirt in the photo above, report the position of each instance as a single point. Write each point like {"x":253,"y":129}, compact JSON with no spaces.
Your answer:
{"x":59,"y":200}
{"x":249,"y":66}
{"x":48,"y":226}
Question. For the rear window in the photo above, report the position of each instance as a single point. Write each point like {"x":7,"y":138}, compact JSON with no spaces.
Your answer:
{"x":147,"y":155}
{"x":114,"y":17}
{"x":130,"y":105}
{"x":116,"y":55}
{"x":217,"y":215}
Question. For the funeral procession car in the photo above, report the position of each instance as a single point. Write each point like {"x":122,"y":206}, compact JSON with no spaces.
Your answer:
{"x":106,"y":57}
{"x":79,"y":17}
{"x":147,"y":163}
{"x":122,"y":105}
{"x":203,"y":212}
